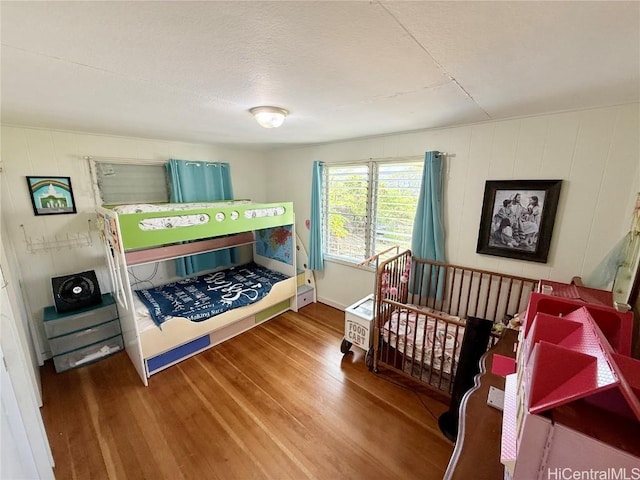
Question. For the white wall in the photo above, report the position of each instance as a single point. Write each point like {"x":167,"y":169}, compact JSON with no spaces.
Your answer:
{"x":28,"y":151}
{"x":595,"y":152}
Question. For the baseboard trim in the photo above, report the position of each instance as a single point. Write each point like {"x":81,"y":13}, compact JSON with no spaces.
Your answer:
{"x":331,"y":303}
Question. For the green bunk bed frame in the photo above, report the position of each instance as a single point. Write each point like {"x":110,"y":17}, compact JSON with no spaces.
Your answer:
{"x":222,"y":225}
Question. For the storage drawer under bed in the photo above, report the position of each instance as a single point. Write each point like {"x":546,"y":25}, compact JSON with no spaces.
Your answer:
{"x":182,"y":352}
{"x":166,"y":359}
{"x":157,"y":361}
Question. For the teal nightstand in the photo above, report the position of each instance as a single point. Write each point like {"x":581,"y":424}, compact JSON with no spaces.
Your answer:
{"x":83,"y":336}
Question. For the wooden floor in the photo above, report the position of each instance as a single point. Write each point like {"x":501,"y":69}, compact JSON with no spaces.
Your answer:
{"x":279,"y":401}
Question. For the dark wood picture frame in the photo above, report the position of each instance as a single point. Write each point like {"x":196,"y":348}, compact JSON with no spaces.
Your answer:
{"x":517,"y":218}
{"x":51,"y":195}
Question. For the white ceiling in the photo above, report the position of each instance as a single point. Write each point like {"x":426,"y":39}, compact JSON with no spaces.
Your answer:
{"x":191,"y":70}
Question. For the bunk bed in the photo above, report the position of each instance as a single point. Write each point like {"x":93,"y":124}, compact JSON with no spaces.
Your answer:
{"x":141,"y":234}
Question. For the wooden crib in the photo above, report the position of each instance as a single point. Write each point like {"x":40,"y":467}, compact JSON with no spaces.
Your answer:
{"x":421,"y":308}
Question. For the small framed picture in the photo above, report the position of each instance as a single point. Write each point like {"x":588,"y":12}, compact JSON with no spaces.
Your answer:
{"x":518,"y":217}
{"x":51,"y":195}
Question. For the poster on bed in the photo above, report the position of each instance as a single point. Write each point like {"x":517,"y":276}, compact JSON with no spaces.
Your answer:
{"x":199,"y":298}
{"x":276,"y":243}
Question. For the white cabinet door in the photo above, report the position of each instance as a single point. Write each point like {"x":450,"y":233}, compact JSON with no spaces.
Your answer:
{"x":22,"y":423}
{"x":17,"y":460}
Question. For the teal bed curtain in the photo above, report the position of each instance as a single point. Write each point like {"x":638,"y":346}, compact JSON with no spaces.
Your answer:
{"x":428,"y":236}
{"x":192,"y":181}
{"x":316,"y":257}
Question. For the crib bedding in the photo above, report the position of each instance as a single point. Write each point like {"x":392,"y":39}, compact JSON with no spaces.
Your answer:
{"x":405,"y":331}
{"x":199,"y":298}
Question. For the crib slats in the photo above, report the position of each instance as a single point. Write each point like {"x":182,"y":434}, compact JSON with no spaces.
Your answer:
{"x":500,"y":284}
{"x":425,"y":344}
{"x":450,"y":276}
{"x":486,"y":304}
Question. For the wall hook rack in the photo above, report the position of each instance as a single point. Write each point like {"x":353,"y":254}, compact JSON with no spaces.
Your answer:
{"x":69,"y":240}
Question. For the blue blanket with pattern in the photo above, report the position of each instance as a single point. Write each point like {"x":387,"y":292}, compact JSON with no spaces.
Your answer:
{"x":205,"y":296}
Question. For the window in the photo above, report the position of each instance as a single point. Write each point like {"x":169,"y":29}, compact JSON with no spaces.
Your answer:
{"x":369,"y":207}
{"x":121,"y":183}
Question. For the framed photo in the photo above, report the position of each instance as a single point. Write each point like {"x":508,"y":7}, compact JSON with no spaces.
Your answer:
{"x":51,"y":195}
{"x":517,"y":218}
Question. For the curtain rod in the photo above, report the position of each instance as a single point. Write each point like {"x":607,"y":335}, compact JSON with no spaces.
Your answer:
{"x":399,"y":158}
{"x":412,"y":157}
{"x":125,"y":159}
{"x":207,"y":164}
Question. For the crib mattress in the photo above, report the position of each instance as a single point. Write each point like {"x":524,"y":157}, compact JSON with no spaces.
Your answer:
{"x":425,"y":339}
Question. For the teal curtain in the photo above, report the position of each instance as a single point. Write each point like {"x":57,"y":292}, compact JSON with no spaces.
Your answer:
{"x":192,"y":181}
{"x":428,"y":236}
{"x":316,"y":257}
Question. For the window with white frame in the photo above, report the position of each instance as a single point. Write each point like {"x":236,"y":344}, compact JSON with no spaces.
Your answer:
{"x":369,"y":207}
{"x":122,"y":183}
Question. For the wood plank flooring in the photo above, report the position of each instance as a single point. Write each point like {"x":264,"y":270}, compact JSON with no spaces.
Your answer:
{"x":278,"y":401}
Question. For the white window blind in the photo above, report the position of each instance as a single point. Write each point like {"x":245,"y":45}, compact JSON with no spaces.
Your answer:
{"x":347,"y":203}
{"x":369,"y":207}
{"x":121,"y":183}
{"x":397,"y":189}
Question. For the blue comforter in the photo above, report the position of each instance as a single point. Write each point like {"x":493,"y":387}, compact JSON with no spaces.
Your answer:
{"x":205,"y":296}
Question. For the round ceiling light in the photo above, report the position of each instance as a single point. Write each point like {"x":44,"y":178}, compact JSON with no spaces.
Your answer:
{"x":269,"y":117}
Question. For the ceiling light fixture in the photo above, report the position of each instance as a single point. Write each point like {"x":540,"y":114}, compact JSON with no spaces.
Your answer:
{"x":269,"y":117}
